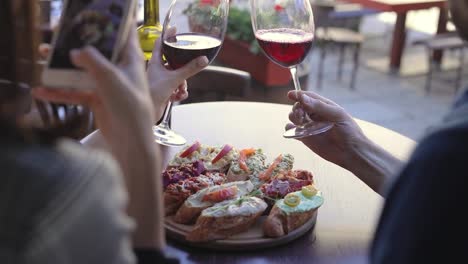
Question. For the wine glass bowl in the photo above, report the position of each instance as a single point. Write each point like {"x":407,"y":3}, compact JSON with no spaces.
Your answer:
{"x":285,"y":31}
{"x":286,"y":47}
{"x":191,"y":28}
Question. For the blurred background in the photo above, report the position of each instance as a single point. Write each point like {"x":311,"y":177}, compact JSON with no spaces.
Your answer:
{"x":404,"y":99}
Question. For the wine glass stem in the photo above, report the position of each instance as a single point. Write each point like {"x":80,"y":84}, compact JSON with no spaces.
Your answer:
{"x":297,"y":84}
{"x":167,"y":114}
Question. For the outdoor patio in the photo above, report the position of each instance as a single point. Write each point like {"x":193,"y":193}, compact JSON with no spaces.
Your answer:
{"x":396,"y":102}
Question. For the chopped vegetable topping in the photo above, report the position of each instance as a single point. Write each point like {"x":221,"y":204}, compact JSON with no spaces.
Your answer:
{"x":223,"y":152}
{"x":292,"y":200}
{"x":309,"y":191}
{"x":221,"y":195}
{"x":176,"y":174}
{"x":244,"y":154}
{"x":267,"y":173}
{"x":279,"y":188}
{"x":190,"y":149}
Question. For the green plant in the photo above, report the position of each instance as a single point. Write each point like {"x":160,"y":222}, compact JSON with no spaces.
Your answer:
{"x":239,"y":27}
{"x":202,"y":13}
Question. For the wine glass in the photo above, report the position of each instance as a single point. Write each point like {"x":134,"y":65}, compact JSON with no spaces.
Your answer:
{"x":192,"y":28}
{"x":284,"y":30}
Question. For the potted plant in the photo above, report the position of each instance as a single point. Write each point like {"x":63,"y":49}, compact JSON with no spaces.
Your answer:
{"x":241,"y":51}
{"x":202,"y":13}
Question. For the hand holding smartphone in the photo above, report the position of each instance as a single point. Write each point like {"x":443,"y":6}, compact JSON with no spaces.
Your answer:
{"x":103,"y":24}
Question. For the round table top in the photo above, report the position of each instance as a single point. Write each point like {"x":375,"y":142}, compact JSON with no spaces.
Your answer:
{"x":346,"y":220}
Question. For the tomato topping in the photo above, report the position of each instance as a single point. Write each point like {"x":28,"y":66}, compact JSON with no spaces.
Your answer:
{"x":244,"y":154}
{"x":221,"y":195}
{"x":190,"y":149}
{"x":224,"y":151}
{"x":292,"y":200}
{"x":265,"y":175}
{"x":309,"y":191}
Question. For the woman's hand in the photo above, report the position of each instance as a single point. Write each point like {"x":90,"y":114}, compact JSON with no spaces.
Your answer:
{"x":124,"y":114}
{"x":121,"y":96}
{"x":336,"y":144}
{"x":167,"y":84}
{"x":344,"y":144}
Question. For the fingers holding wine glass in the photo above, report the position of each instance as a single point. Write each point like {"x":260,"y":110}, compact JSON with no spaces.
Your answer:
{"x":297,"y":114}
{"x":163,"y":81}
{"x":318,"y":108}
{"x":181,"y":93}
{"x":294,"y":95}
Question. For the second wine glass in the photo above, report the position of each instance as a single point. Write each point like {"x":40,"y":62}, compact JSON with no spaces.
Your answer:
{"x":192,"y":28}
{"x":284,"y":30}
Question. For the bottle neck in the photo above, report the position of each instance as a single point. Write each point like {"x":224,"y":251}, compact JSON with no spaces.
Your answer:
{"x":151,"y":12}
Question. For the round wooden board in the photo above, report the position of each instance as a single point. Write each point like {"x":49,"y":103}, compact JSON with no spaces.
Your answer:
{"x":252,"y":239}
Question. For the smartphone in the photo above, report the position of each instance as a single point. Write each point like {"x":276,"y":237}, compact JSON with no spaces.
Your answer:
{"x":103,"y":24}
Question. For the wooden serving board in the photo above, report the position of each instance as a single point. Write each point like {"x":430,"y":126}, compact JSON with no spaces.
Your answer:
{"x":252,"y":239}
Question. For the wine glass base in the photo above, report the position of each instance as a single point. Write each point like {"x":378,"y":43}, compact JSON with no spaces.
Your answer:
{"x":167,"y":137}
{"x":310,"y":129}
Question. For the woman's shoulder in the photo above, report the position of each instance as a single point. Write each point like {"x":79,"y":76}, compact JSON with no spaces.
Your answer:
{"x":82,"y":158}
{"x":38,"y":181}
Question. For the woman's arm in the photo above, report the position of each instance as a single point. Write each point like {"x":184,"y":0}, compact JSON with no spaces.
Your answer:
{"x":372,"y":164}
{"x":345,"y":144}
{"x":124,"y":114}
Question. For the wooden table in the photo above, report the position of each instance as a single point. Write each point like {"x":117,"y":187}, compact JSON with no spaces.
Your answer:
{"x":347,"y":219}
{"x":401,"y":8}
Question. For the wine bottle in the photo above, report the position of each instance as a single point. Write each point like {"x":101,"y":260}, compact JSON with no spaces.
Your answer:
{"x":151,"y":29}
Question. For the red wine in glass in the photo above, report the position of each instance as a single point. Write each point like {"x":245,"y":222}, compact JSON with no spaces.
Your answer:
{"x":285,"y":46}
{"x":182,"y":48}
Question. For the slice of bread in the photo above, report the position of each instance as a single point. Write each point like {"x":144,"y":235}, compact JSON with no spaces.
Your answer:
{"x":226,"y":219}
{"x":283,"y":219}
{"x":176,"y":193}
{"x":195,"y":204}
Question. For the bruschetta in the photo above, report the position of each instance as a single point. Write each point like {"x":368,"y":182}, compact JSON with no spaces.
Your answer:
{"x":176,"y":193}
{"x":282,"y":163}
{"x":250,"y":162}
{"x":196,"y":203}
{"x":226,"y":219}
{"x":286,"y":182}
{"x":213,"y":158}
{"x":182,"y":172}
{"x":292,"y":212}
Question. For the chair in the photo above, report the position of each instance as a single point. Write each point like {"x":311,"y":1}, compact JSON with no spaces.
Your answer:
{"x":78,"y":119}
{"x":446,"y":41}
{"x":217,"y":83}
{"x":338,"y":25}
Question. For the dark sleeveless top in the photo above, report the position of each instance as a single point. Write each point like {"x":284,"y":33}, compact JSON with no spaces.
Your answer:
{"x":424,"y":218}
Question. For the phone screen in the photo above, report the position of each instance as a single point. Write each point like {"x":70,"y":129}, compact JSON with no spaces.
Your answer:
{"x":87,"y":22}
